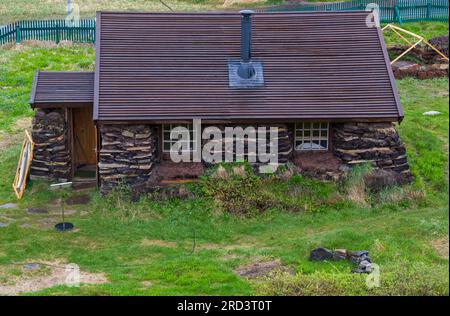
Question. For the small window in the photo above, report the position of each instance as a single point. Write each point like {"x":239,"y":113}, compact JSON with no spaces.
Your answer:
{"x":311,"y":136}
{"x":168,"y":143}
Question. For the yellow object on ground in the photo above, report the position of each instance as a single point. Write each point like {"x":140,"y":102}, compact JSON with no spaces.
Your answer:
{"x":398,"y":30}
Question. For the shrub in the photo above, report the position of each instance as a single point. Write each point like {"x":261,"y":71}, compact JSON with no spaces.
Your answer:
{"x":237,"y":190}
{"x":355,"y":186}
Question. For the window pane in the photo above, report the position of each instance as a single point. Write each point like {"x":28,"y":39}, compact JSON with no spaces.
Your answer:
{"x":166,"y":146}
{"x":311,"y":136}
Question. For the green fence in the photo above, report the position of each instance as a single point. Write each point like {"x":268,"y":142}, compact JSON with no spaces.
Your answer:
{"x":390,"y":10}
{"x":48,"y":30}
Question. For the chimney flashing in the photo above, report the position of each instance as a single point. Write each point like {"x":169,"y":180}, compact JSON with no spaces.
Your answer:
{"x":245,"y":72}
{"x":236,"y":81}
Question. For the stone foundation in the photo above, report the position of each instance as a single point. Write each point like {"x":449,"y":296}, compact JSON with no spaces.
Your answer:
{"x":51,"y":155}
{"x":127,"y":155}
{"x":376,"y":143}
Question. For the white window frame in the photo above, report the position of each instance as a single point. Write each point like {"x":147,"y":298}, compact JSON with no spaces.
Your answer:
{"x":165,"y":131}
{"x":311,"y":129}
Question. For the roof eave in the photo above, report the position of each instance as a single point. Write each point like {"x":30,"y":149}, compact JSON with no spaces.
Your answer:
{"x":33,"y":88}
{"x":391,"y":75}
{"x":97,"y":65}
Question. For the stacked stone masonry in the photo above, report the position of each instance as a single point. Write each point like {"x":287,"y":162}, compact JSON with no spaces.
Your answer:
{"x":127,"y":155}
{"x":375,"y":143}
{"x":51,"y":155}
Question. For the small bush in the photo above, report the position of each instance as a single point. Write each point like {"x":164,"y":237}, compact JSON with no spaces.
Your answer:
{"x":120,"y":204}
{"x":355,"y":186}
{"x":237,"y":190}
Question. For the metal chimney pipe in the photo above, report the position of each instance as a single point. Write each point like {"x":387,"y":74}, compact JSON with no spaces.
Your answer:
{"x":246,"y":35}
{"x":246,"y":70}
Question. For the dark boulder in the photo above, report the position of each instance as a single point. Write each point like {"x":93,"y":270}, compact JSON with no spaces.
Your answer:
{"x":320,"y":254}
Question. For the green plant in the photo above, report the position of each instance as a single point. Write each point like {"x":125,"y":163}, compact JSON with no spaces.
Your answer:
{"x":354,"y":185}
{"x":237,"y":191}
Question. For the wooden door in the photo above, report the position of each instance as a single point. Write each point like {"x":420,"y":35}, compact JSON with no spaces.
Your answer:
{"x":84,"y":137}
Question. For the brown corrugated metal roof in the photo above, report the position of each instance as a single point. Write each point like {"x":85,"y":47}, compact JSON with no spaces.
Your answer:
{"x":321,"y":65}
{"x":62,"y":88}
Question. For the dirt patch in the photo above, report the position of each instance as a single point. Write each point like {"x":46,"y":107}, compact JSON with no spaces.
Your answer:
{"x":168,"y":170}
{"x":23,"y":123}
{"x":7,"y":139}
{"x":261,"y":269}
{"x":441,"y":247}
{"x":214,"y":246}
{"x":158,"y":242}
{"x":57,"y":275}
{"x":322,"y":165}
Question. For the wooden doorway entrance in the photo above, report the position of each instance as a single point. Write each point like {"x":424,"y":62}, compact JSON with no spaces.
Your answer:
{"x":84,"y":140}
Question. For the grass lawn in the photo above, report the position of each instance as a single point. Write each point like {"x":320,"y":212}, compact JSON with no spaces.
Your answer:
{"x":146,"y":247}
{"x":170,"y":246}
{"x":13,"y":10}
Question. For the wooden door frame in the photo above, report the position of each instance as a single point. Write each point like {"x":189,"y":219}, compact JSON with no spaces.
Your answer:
{"x":70,"y":123}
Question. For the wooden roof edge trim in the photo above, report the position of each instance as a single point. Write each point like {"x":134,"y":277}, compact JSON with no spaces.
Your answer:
{"x":246,"y":121}
{"x":62,"y":104}
{"x":33,"y":88}
{"x":97,"y":65}
{"x":387,"y":62}
{"x":67,"y":72}
{"x":233,"y":12}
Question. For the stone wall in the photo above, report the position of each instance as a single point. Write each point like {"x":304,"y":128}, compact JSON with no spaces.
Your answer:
{"x":51,"y":155}
{"x":377,"y":143}
{"x":404,"y":69}
{"x":127,"y":155}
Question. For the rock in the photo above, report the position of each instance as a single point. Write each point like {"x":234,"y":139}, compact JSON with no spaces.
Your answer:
{"x":31,"y":267}
{"x":8,"y":206}
{"x":320,"y":254}
{"x":128,"y":134}
{"x":363,"y":267}
{"x":339,"y":254}
{"x":3,"y":224}
{"x":432,"y":113}
{"x":379,"y":179}
{"x":140,"y":136}
{"x":32,"y":210}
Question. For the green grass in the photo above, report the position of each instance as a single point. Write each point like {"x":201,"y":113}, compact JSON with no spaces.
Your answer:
{"x":427,"y":30}
{"x":397,"y":227}
{"x":13,"y":10}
